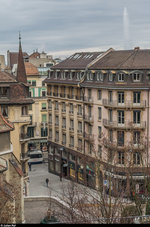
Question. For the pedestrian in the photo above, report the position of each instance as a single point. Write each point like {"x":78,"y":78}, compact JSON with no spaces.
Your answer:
{"x":47,"y":180}
{"x":29,"y":163}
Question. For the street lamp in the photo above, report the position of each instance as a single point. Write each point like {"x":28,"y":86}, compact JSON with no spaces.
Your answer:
{"x":61,"y":163}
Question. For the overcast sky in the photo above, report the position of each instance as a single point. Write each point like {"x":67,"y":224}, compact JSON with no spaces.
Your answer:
{"x":62,"y":27}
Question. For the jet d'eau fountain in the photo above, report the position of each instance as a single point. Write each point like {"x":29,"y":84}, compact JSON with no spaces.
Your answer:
{"x":126,"y":30}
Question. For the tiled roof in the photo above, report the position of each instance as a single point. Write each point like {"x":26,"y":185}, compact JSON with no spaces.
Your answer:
{"x":34,"y":55}
{"x":124,"y":59}
{"x":77,"y":60}
{"x":31,"y":69}
{"x":14,"y":57}
{"x":5,"y":125}
{"x":6,"y":77}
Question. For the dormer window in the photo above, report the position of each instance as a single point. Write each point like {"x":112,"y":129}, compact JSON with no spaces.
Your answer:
{"x":100,"y":76}
{"x":121,"y":77}
{"x":55,"y":75}
{"x":110,"y":77}
{"x":78,"y":75}
{"x":136,"y":77}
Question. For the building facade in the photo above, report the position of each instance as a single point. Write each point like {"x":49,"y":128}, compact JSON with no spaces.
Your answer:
{"x":11,"y":178}
{"x":38,"y":128}
{"x":14,"y":104}
{"x":101,"y":113}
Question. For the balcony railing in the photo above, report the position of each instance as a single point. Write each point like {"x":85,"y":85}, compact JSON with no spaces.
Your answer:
{"x":89,"y":136}
{"x":126,"y":125}
{"x":126,"y":104}
{"x":88,"y":118}
{"x":24,"y":137}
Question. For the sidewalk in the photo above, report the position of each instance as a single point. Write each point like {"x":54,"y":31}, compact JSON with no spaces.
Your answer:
{"x":38,"y":186}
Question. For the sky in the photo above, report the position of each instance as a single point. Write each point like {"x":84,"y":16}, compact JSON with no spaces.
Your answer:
{"x":63,"y":27}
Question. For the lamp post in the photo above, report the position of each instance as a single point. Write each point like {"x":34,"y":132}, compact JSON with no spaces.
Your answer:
{"x":61,"y":163}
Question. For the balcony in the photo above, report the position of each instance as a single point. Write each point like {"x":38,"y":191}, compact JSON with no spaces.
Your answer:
{"x":89,"y":137}
{"x":88,"y":99}
{"x":125,"y":105}
{"x":24,"y":137}
{"x":128,"y":125}
{"x":88,"y":118}
{"x":24,"y":157}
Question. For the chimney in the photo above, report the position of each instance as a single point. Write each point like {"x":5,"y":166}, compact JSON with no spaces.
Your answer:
{"x":136,"y":48}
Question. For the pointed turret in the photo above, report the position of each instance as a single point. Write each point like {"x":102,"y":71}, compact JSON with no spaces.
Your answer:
{"x":21,"y":73}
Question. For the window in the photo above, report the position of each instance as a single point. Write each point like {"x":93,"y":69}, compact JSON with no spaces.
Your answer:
{"x":24,"y":110}
{"x":72,"y":124}
{"x":43,"y":106}
{"x":63,"y":107}
{"x":110,"y":113}
{"x":111,"y":136}
{"x":79,"y":126}
{"x":44,"y":118}
{"x":43,"y":93}
{"x":136,"y":158}
{"x":64,"y":123}
{"x":3,"y":92}
{"x":56,"y":120}
{"x":30,"y":107}
{"x":99,"y":131}
{"x":50,"y":104}
{"x":99,"y":113}
{"x":99,"y":151}
{"x":120,"y":97}
{"x":110,"y":96}
{"x":30,"y":131}
{"x":136,"y":116}
{"x":120,"y":157}
{"x":43,"y":132}
{"x":99,"y":76}
{"x":70,"y":76}
{"x":50,"y":133}
{"x":89,"y":111}
{"x":33,"y":82}
{"x":110,"y":77}
{"x":71,"y":141}
{"x":89,"y":93}
{"x":4,"y":110}
{"x":50,"y":118}
{"x":120,"y":117}
{"x":136,"y":137}
{"x":80,"y":144}
{"x":56,"y":105}
{"x":136,"y":77}
{"x":64,"y":139}
{"x":99,"y":94}
{"x":57,"y":136}
{"x":71,"y":108}
{"x":121,"y":77}
{"x":55,"y":75}
{"x":120,"y":138}
{"x":79,"y":110}
{"x":136,"y":97}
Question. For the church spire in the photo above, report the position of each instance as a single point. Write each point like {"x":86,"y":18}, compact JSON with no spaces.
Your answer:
{"x":21,"y":73}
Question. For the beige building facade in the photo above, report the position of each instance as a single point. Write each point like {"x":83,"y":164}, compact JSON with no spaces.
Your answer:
{"x":105,"y":119}
{"x":11,"y":178}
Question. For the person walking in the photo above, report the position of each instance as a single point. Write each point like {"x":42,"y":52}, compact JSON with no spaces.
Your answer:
{"x":47,"y":180}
